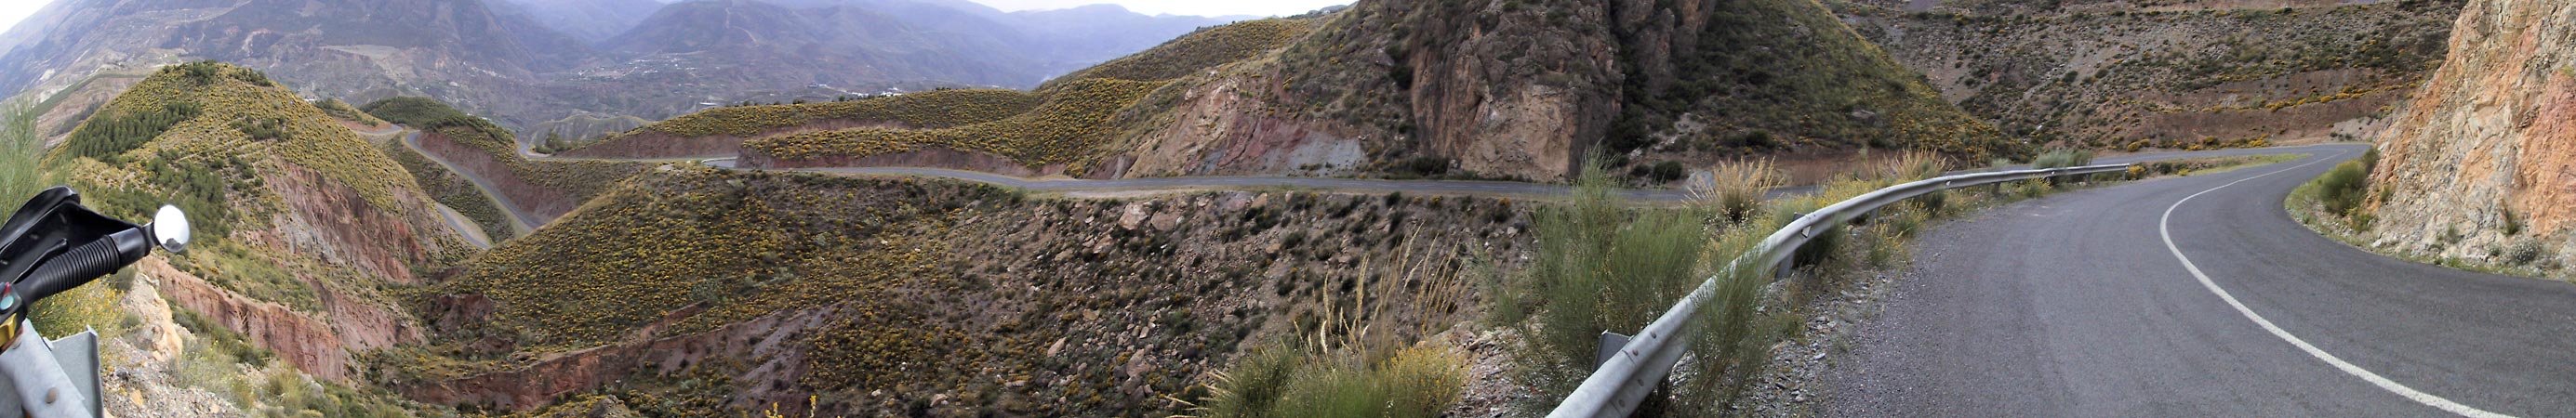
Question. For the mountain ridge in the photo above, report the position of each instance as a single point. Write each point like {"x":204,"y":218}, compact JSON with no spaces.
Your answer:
{"x":522,"y":64}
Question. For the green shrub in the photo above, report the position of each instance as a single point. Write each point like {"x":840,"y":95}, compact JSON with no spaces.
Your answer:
{"x":262,"y":129}
{"x":1597,"y":263}
{"x":2525,"y":252}
{"x":1660,"y":173}
{"x":2342,"y":188}
{"x":2062,"y":158}
{"x":108,"y":137}
{"x":20,"y":150}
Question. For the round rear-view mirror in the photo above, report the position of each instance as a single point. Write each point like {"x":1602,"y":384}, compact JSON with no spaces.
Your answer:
{"x":170,"y":229}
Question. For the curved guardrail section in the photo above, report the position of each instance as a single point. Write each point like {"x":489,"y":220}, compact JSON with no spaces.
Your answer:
{"x":1625,"y":378}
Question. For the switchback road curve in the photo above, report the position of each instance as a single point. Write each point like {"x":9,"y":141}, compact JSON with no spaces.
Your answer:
{"x":2198,"y":296}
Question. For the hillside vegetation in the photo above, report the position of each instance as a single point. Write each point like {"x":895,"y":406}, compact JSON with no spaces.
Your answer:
{"x":545,"y":188}
{"x":302,"y":233}
{"x":2117,"y":77}
{"x":454,"y":191}
{"x":1066,"y":122}
{"x":412,"y":111}
{"x":935,"y":109}
{"x":1504,"y":90}
{"x":1523,"y":89}
{"x":1066,"y":129}
{"x":217,"y":117}
{"x":342,"y":110}
{"x":894,"y":297}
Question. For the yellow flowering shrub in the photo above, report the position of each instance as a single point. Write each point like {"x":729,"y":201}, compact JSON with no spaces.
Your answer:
{"x":1067,"y":128}
{"x":935,"y":109}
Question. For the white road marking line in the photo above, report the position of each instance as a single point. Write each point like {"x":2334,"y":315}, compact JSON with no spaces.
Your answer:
{"x":2165,"y":227}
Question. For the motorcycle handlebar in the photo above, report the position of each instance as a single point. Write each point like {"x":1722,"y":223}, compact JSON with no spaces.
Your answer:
{"x":82,"y":264}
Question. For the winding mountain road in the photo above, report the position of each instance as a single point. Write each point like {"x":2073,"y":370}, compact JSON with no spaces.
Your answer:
{"x":522,"y":221}
{"x":1483,"y":188}
{"x":527,"y":221}
{"x":2198,"y":296}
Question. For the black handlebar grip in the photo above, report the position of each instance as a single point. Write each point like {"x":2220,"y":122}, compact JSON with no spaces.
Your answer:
{"x":83,"y":264}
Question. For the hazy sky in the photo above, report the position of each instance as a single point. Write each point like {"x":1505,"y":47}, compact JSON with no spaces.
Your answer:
{"x":12,"y":11}
{"x":1179,"y":7}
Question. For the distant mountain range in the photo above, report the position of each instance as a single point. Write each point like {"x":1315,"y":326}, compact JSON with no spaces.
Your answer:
{"x":530,"y":64}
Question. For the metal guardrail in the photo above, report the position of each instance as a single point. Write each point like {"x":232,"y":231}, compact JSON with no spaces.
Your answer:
{"x":1625,"y":378}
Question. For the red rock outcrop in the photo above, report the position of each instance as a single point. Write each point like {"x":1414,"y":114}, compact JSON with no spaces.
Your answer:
{"x":2493,"y":131}
{"x":768,"y":340}
{"x":332,"y":221}
{"x":319,"y":348}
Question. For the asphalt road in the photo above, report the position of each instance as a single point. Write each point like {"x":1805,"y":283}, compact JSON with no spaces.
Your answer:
{"x":1486,"y":188}
{"x":2076,"y":305}
{"x":523,"y":220}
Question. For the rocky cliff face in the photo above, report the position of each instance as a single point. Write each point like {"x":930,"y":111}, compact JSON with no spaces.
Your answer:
{"x":2493,"y":132}
{"x":2179,"y":75}
{"x":1525,"y":89}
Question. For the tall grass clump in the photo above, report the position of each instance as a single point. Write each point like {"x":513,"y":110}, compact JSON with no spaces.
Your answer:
{"x":1910,"y":166}
{"x":1365,"y":356}
{"x":1319,"y":380}
{"x":1736,"y":188}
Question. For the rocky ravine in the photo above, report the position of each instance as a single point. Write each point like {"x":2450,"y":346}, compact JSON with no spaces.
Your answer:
{"x":2492,"y":132}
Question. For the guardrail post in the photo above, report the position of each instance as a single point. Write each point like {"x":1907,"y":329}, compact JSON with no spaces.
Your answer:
{"x":1611,"y":342}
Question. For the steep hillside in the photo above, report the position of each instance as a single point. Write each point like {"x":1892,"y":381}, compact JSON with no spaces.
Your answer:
{"x":1449,"y":89}
{"x":720,"y":132}
{"x":2176,"y":74}
{"x":578,"y":131}
{"x":697,"y":291}
{"x":304,"y":230}
{"x":1524,"y":89}
{"x":2477,"y":160}
{"x":538,"y":191}
{"x":1062,"y":135}
{"x":1070,"y":126}
{"x":528,"y":63}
